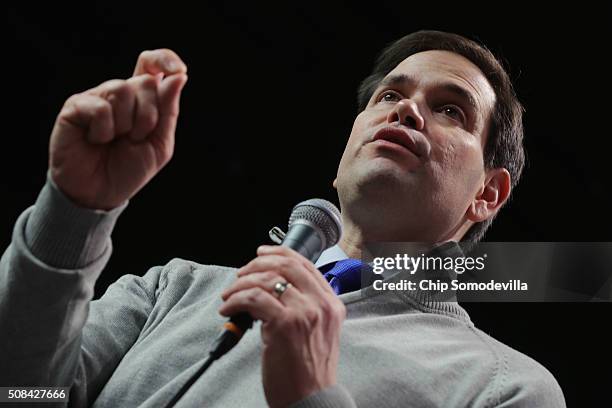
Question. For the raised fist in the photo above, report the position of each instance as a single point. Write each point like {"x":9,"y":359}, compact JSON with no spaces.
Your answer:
{"x":109,"y":141}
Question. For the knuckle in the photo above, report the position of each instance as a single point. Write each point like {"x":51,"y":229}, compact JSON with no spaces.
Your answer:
{"x":166,"y":155}
{"x":340,"y":310}
{"x":333,"y":308}
{"x":151,"y":119}
{"x":165,"y":53}
{"x":291,"y":264}
{"x":142,"y":81}
{"x":300,"y":323}
{"x":309,"y":266}
{"x":145,"y":54}
{"x":250,"y":297}
{"x":166,"y":148}
{"x":100,"y":107}
{"x":283,"y":250}
{"x":311,"y":315}
{"x":121,"y":90}
{"x":267,"y":276}
{"x":79,"y":98}
{"x":276,"y":249}
{"x":72,"y":100}
{"x":246,"y":269}
{"x":327,"y":308}
{"x":252,"y":279}
{"x":112,"y":84}
{"x":148,"y":81}
{"x":147,"y":119}
{"x":254,"y":264}
{"x":163,"y":158}
{"x":254,"y":295}
{"x":159,"y":56}
{"x":290,"y":320}
{"x":284,"y":263}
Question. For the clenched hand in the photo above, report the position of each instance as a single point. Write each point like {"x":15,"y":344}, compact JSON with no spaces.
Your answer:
{"x":109,"y":141}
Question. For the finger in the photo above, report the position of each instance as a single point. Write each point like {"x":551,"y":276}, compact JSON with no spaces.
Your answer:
{"x":290,"y":268}
{"x":161,"y":60}
{"x":309,"y":266}
{"x":264,"y":280}
{"x":255,"y":301}
{"x":122,"y":98}
{"x":90,"y":113}
{"x":145,"y":113}
{"x":170,"y":93}
{"x":324,"y":310}
{"x":168,"y":104}
{"x":294,"y":299}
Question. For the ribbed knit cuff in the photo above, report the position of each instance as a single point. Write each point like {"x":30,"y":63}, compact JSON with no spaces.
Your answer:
{"x":331,"y":397}
{"x":63,"y":235}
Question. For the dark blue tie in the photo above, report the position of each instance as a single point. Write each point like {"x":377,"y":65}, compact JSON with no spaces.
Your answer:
{"x":343,"y":276}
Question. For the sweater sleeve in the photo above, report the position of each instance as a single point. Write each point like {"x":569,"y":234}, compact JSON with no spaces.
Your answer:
{"x":331,"y":397}
{"x":529,"y":385}
{"x":47,"y":278}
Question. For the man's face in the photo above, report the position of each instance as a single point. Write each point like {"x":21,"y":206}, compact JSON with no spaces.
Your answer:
{"x":414,"y":160}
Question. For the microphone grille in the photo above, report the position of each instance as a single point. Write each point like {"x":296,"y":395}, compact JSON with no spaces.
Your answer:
{"x":321,"y":213}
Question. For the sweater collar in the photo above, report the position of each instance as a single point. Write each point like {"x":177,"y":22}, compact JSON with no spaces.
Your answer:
{"x":425,"y":300}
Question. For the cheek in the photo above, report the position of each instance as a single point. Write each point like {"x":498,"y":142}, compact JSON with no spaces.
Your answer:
{"x":457,"y":168}
{"x":444,"y":160}
{"x":361,"y":123}
{"x":360,"y":126}
{"x":457,"y":153}
{"x":368,"y":119}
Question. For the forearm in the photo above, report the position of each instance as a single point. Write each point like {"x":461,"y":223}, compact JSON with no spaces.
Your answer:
{"x":47,"y":276}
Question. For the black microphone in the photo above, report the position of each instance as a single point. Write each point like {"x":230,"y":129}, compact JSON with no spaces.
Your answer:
{"x":314,"y":226}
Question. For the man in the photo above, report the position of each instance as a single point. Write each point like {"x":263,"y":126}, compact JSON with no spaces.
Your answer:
{"x":432,"y":157}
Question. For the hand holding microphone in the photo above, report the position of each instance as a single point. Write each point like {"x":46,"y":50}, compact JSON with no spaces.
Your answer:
{"x":300,"y":312}
{"x":300,"y":325}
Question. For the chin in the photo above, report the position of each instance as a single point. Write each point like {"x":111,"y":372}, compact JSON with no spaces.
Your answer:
{"x":376,"y":185}
{"x":386,"y":177}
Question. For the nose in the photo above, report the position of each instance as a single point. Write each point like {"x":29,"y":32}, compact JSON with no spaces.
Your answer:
{"x":407,"y":113}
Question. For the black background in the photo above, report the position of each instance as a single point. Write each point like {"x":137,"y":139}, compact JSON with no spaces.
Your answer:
{"x":268,"y":108}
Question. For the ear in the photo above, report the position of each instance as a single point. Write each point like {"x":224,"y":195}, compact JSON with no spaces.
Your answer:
{"x":491,"y":196}
{"x":335,"y":183}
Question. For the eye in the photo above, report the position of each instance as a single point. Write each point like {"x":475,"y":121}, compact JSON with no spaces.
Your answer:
{"x":453,"y":112}
{"x":389,"y":96}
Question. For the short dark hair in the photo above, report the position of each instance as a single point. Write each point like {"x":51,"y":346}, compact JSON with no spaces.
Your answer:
{"x":504,"y":147}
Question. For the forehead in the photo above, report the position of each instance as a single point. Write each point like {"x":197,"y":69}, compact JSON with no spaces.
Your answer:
{"x":444,"y":67}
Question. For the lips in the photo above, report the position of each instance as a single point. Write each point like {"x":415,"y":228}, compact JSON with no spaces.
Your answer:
{"x":402,"y":138}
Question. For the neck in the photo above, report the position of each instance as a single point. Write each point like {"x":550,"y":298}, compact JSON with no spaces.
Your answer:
{"x":355,"y":237}
{"x":352,"y":241}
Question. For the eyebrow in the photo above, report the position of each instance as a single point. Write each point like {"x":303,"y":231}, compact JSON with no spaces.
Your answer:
{"x":459,"y":91}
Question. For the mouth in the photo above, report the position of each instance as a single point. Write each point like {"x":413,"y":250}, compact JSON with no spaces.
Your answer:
{"x":402,"y":138}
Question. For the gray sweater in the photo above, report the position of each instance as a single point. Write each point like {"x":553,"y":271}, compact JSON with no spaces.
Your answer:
{"x":137,"y":344}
